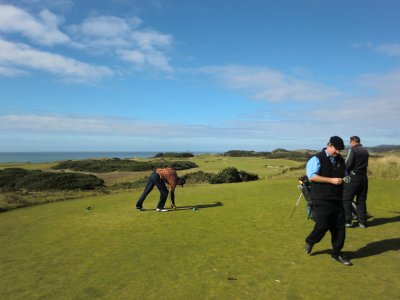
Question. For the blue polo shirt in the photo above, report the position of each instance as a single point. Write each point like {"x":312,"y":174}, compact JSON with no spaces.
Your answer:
{"x":313,"y":165}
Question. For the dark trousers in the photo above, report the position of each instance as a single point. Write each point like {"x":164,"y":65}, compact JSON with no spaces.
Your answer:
{"x":357,"y":187}
{"x":154,"y":180}
{"x":329,"y":216}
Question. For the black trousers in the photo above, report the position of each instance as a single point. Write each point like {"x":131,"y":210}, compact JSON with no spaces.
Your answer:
{"x":329,"y":216}
{"x":357,"y":187}
{"x":154,"y":180}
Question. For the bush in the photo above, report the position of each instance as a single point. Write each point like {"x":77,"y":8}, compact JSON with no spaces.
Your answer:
{"x":174,"y":154}
{"x":228,"y":175}
{"x":37,"y":180}
{"x":199,"y":177}
{"x":277,"y":153}
{"x":140,"y":183}
{"x":248,"y":176}
{"x":110,"y":165}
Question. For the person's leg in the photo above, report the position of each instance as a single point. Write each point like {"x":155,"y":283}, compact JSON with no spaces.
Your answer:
{"x":160,"y":184}
{"x":321,"y":214}
{"x":149,"y":187}
{"x":348,"y":195}
{"x":338,"y":230}
{"x":361,"y":201}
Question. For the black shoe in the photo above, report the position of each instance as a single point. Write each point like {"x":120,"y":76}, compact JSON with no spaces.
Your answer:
{"x":342,"y":259}
{"x":140,"y":208}
{"x":308,"y":247}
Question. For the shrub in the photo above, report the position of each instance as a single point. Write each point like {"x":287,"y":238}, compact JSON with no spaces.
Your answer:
{"x":140,"y":183}
{"x":174,"y":154}
{"x":228,"y":175}
{"x":199,"y":177}
{"x":277,"y":153}
{"x":248,"y":176}
{"x":37,"y":180}
{"x":110,"y":165}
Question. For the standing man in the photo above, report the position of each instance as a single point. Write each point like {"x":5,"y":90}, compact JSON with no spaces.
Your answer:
{"x":356,"y":165}
{"x":326,"y":171}
{"x":159,"y":178}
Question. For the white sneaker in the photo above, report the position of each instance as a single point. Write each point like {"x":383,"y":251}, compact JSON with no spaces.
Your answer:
{"x":162,"y":209}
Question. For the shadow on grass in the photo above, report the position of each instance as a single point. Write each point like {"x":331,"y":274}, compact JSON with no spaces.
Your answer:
{"x":200,"y":206}
{"x":376,"y":248}
{"x":371,"y":249}
{"x":381,"y":221}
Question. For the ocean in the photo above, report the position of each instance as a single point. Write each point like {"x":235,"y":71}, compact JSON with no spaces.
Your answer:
{"x":38,"y":157}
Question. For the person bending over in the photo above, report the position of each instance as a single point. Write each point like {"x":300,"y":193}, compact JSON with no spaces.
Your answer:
{"x":159,"y":178}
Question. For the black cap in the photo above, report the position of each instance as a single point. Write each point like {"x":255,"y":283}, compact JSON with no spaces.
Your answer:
{"x":336,"y":142}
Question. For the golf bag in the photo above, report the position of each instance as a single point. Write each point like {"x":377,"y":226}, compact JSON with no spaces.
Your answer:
{"x":304,"y":186}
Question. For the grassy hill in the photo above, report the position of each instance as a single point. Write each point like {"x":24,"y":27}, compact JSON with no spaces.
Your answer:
{"x":239,"y":244}
{"x":385,"y":166}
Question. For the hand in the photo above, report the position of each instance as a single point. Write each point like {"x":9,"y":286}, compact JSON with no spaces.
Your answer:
{"x":337,"y":181}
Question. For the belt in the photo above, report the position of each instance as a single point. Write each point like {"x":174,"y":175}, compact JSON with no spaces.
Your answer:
{"x":354,"y":173}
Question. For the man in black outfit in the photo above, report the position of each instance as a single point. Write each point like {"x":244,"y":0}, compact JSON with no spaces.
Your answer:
{"x":356,"y":165}
{"x":326,"y":171}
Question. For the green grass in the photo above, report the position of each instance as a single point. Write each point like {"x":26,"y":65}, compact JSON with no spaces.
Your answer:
{"x":28,"y":166}
{"x":240,"y":244}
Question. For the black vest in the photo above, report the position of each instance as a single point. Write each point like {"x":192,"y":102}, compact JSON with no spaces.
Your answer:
{"x":327,"y":191}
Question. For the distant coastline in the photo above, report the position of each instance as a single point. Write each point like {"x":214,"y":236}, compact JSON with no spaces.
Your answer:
{"x":40,"y":157}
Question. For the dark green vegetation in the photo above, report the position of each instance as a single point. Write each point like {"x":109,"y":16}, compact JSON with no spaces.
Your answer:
{"x":111,"y":165}
{"x":174,"y":155}
{"x":211,"y":169}
{"x":277,"y":153}
{"x":36,"y":180}
{"x":227,"y":175}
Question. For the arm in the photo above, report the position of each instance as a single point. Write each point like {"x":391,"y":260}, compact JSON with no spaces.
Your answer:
{"x":335,"y":181}
{"x":173,"y":199}
{"x":349,"y":160}
{"x":312,"y":169}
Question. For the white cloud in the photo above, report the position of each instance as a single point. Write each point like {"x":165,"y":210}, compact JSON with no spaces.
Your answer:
{"x":11,"y":71}
{"x":43,"y":30}
{"x":96,"y":125}
{"x":388,"y":49}
{"x":59,"y":5}
{"x":269,"y":85}
{"x":107,"y":27}
{"x":23,"y":56}
{"x":144,"y":49}
{"x":303,"y":129}
{"x":150,"y":39}
{"x":119,"y":38}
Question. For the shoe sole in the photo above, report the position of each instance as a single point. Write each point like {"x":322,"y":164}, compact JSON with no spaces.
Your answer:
{"x":344,"y":264}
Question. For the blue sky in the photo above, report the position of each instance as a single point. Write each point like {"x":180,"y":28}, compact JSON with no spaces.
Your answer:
{"x":154,"y":75}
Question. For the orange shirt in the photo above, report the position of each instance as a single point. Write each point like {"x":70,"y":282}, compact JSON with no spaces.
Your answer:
{"x":169,"y":176}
